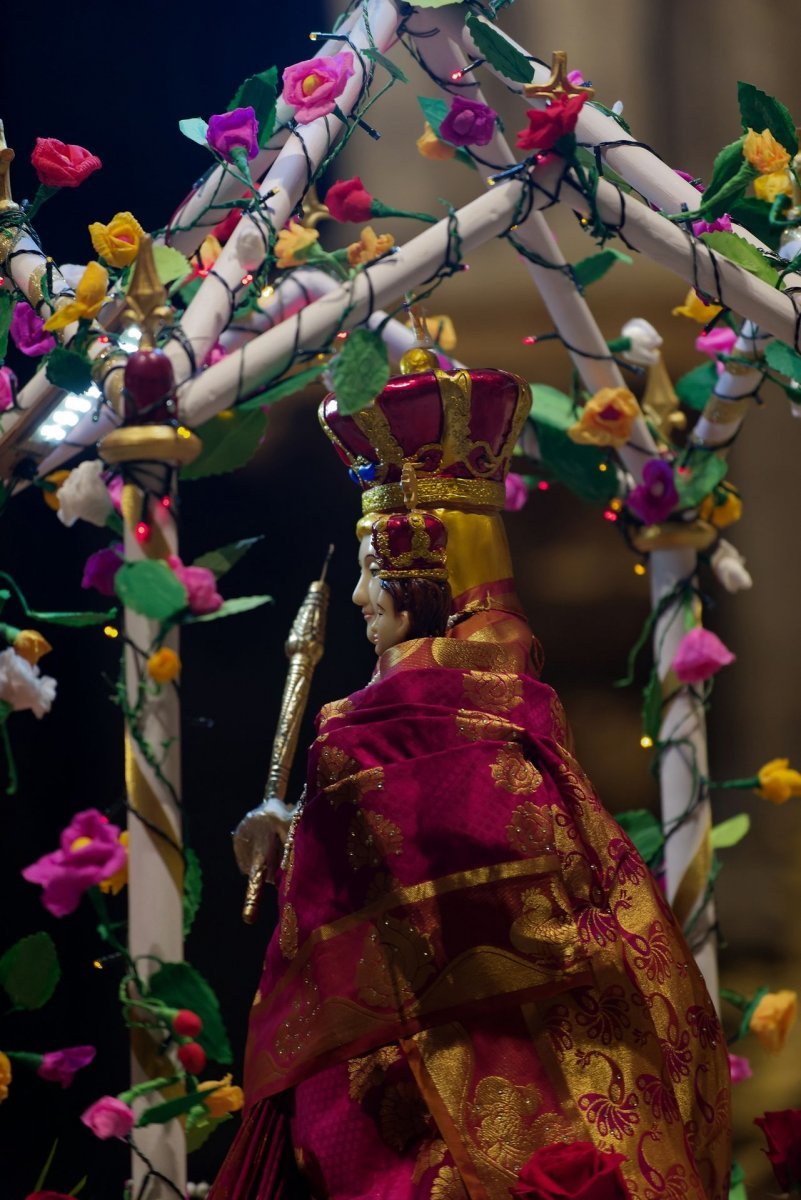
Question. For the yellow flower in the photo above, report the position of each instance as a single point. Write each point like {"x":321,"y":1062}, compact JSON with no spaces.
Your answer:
{"x":31,"y":646}
{"x":5,"y":1076}
{"x":441,"y":331}
{"x":291,"y":242}
{"x":118,"y":242}
{"x":773,"y":1018}
{"x":778,"y":782}
{"x":164,"y":665}
{"x":56,"y":479}
{"x":721,"y":512}
{"x":768,"y":187}
{"x":90,"y":296}
{"x":116,"y":882}
{"x":226,"y":1099}
{"x":695,"y":309}
{"x":606,"y":419}
{"x":764,"y":153}
{"x":209,"y":252}
{"x":371,"y":245}
{"x":430,"y":146}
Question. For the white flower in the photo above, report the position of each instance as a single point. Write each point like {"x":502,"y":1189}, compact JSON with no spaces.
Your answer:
{"x":84,"y":495}
{"x":72,"y":273}
{"x":617,"y":108}
{"x":645,"y":342}
{"x":729,"y":567}
{"x":23,"y":686}
{"x":250,"y":249}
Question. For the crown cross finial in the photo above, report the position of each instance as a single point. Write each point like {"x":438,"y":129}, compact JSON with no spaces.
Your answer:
{"x":146,"y":302}
{"x":558,"y":84}
{"x":6,"y":159}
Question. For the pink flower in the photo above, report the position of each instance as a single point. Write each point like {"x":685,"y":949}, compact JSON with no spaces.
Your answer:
{"x":60,"y":1066}
{"x":217,"y":353}
{"x":8,"y":388}
{"x":114,"y":487}
{"x":547,"y":125}
{"x":237,"y":129}
{"x":699,"y":187}
{"x":575,"y":78}
{"x":700,"y":655}
{"x":719,"y":225}
{"x":109,"y":1117}
{"x":740,"y":1068}
{"x":713,"y":342}
{"x":468,"y":123}
{"x":349,"y":200}
{"x":89,"y":853}
{"x":59,"y":164}
{"x":200,"y":584}
{"x":314,"y":86}
{"x":516,"y":492}
{"x":27,"y":333}
{"x":656,"y":497}
{"x":101,"y":567}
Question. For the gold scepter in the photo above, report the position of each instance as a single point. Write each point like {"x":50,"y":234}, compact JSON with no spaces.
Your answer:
{"x":304,"y":649}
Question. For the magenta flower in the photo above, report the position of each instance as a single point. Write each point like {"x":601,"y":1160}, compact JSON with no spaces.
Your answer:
{"x":699,"y":187}
{"x":101,"y":567}
{"x":89,"y":853}
{"x":27,"y":333}
{"x":719,"y":340}
{"x":8,"y":388}
{"x":468,"y":123}
{"x":656,"y":497}
{"x":576,"y":78}
{"x":237,"y":129}
{"x":700,"y":655}
{"x":740,"y":1068}
{"x":314,"y":86}
{"x":108,"y":1117}
{"x":217,"y":353}
{"x":719,"y":225}
{"x":61,"y":1066}
{"x":516,"y":492}
{"x":114,"y":486}
{"x":200,"y":584}
{"x":349,"y":200}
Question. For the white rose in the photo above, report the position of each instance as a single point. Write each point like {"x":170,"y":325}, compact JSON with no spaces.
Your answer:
{"x":645,"y":342}
{"x":23,"y":686}
{"x":729,"y":567}
{"x":84,"y":495}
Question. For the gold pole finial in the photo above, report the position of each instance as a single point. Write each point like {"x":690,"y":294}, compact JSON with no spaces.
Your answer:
{"x":146,"y":302}
{"x":421,"y":356}
{"x":6,"y":159}
{"x":314,"y":211}
{"x":409,"y":485}
{"x":558,"y":84}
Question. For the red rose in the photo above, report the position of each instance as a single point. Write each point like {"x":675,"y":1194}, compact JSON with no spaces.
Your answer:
{"x":59,"y":165}
{"x":187,"y":1023}
{"x":349,"y":200}
{"x":224,"y":228}
{"x":571,"y":1171}
{"x":192,"y":1057}
{"x":782,"y":1131}
{"x":547,"y":125}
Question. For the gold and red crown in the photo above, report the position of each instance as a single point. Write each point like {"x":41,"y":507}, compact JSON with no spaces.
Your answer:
{"x":410,"y":545}
{"x":458,"y":427}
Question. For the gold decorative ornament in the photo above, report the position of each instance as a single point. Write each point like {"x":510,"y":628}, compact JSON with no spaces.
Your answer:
{"x":558,"y":84}
{"x":6,"y":159}
{"x":660,"y":404}
{"x":146,"y":302}
{"x":314,"y":211}
{"x":698,"y":535}
{"x":422,"y":355}
{"x":151,"y":443}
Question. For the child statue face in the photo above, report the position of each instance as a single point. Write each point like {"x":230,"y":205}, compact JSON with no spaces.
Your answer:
{"x":389,"y":627}
{"x":364,"y":592}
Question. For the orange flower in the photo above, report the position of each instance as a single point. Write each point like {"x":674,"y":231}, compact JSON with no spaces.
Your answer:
{"x":370,"y":246}
{"x":164,"y":665}
{"x":778,"y":781}
{"x":56,"y":479}
{"x":116,"y":882}
{"x":773,"y":1018}
{"x":430,"y":146}
{"x":292,"y":242}
{"x":226,"y":1099}
{"x":30,"y":645}
{"x":606,"y":419}
{"x":764,"y":153}
{"x":5,"y":1076}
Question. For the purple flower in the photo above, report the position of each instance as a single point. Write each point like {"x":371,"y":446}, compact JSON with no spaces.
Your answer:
{"x":700,"y":655}
{"x":109,"y":1117}
{"x":719,"y":225}
{"x":231,"y":130}
{"x":60,"y":1066}
{"x":101,"y":567}
{"x":314,"y":86}
{"x":740,"y":1068}
{"x":656,"y":497}
{"x":516,"y":492}
{"x":27,"y":333}
{"x":8,"y":388}
{"x":200,"y":584}
{"x":89,"y":852}
{"x":468,"y":123}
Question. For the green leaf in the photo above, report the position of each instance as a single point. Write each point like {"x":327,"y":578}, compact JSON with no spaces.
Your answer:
{"x":68,"y":370}
{"x":284,"y":387}
{"x":730,"y":832}
{"x":232,"y":608}
{"x":695,"y":388}
{"x":645,"y":831}
{"x":737,"y":1183}
{"x":760,"y":111}
{"x":170,"y":264}
{"x":150,"y":588}
{"x":6,"y":313}
{"x":699,"y":473}
{"x":229,"y":442}
{"x":577,"y":467}
{"x":180,"y":986}
{"x":221,"y":560}
{"x":387,"y":63}
{"x":196,"y":129}
{"x":42,"y":1176}
{"x":259,"y":92}
{"x":500,"y":53}
{"x":200,"y":1126}
{"x":193,"y":888}
{"x":784,"y":360}
{"x":29,"y":971}
{"x":731,"y":175}
{"x":739,"y":251}
{"x":360,"y":371}
{"x":435,"y":111}
{"x":652,"y":706}
{"x":754,"y":215}
{"x":75,"y":620}
{"x":621,"y":121}
{"x":596,"y":266}
{"x":158,"y":1114}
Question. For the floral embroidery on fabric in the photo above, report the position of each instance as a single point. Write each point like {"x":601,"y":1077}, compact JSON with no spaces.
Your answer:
{"x":477,"y":725}
{"x":296,"y":1029}
{"x":514,"y":773}
{"x":396,"y":961}
{"x":659,"y":1097}
{"x":334,"y":709}
{"x":368,"y":1070}
{"x":429,"y":1155}
{"x":448,"y":1185}
{"x":334,"y":764}
{"x":372,"y":838}
{"x":404,"y":1117}
{"x":605,"y":1015}
{"x":504,"y":1115}
{"x":556,"y":1020}
{"x":493,"y":692}
{"x":351,"y":789}
{"x":613,"y":1112}
{"x":543,"y":921}
{"x":288,"y":932}
{"x":530,"y":831}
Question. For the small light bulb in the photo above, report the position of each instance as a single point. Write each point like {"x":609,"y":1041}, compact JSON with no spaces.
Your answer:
{"x":609,"y":515}
{"x":639,"y":569}
{"x":456,"y":75}
{"x":166,"y":502}
{"x":603,"y":467}
{"x":246,"y":279}
{"x":97,"y":964}
{"x":183,"y":432}
{"x":646,"y":742}
{"x":111,"y":631}
{"x":543,"y":485}
{"x":616,"y":505}
{"x":142,"y":532}
{"x":529,"y":340}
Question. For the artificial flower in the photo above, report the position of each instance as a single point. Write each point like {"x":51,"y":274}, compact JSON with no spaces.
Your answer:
{"x":292,"y":242}
{"x":516,"y":492}
{"x":234,"y":130}
{"x":118,"y":242}
{"x":5,"y":1076}
{"x":209,"y":251}
{"x":773,"y":1018}
{"x":164,"y":665}
{"x":782,"y":1132}
{"x":729,"y":567}
{"x":700,"y":655}
{"x":645,"y":343}
{"x":740,"y":1068}
{"x":8,"y":389}
{"x":60,"y":165}
{"x":721,"y":224}
{"x":768,"y":187}
{"x":113,"y":884}
{"x":90,"y":296}
{"x":696,"y":309}
{"x":468,"y":123}
{"x":89,"y":852}
{"x":27,"y":331}
{"x":723,"y":507}
{"x":655,"y":498}
{"x":576,"y":78}
{"x":224,"y":1099}
{"x":187,"y":1023}
{"x":23,"y":686}
{"x":314,"y":86}
{"x":192,"y":1057}
{"x":691,"y":179}
{"x":200,"y":584}
{"x":574,"y":1170}
{"x":764,"y":153}
{"x":84,"y":496}
{"x":713,"y":342}
{"x":31,"y":645}
{"x":224,"y":228}
{"x":606,"y":419}
{"x":216,"y":354}
{"x":101,"y":568}
{"x":778,"y":781}
{"x":370,"y":246}
{"x":430,"y":146}
{"x":56,"y":481}
{"x":547,"y":125}
{"x":61,"y":1066}
{"x":349,"y":200}
{"x":109,"y":1117}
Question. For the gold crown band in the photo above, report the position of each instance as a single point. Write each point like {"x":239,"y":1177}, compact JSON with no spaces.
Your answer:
{"x":436,"y":490}
{"x":425,"y":573}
